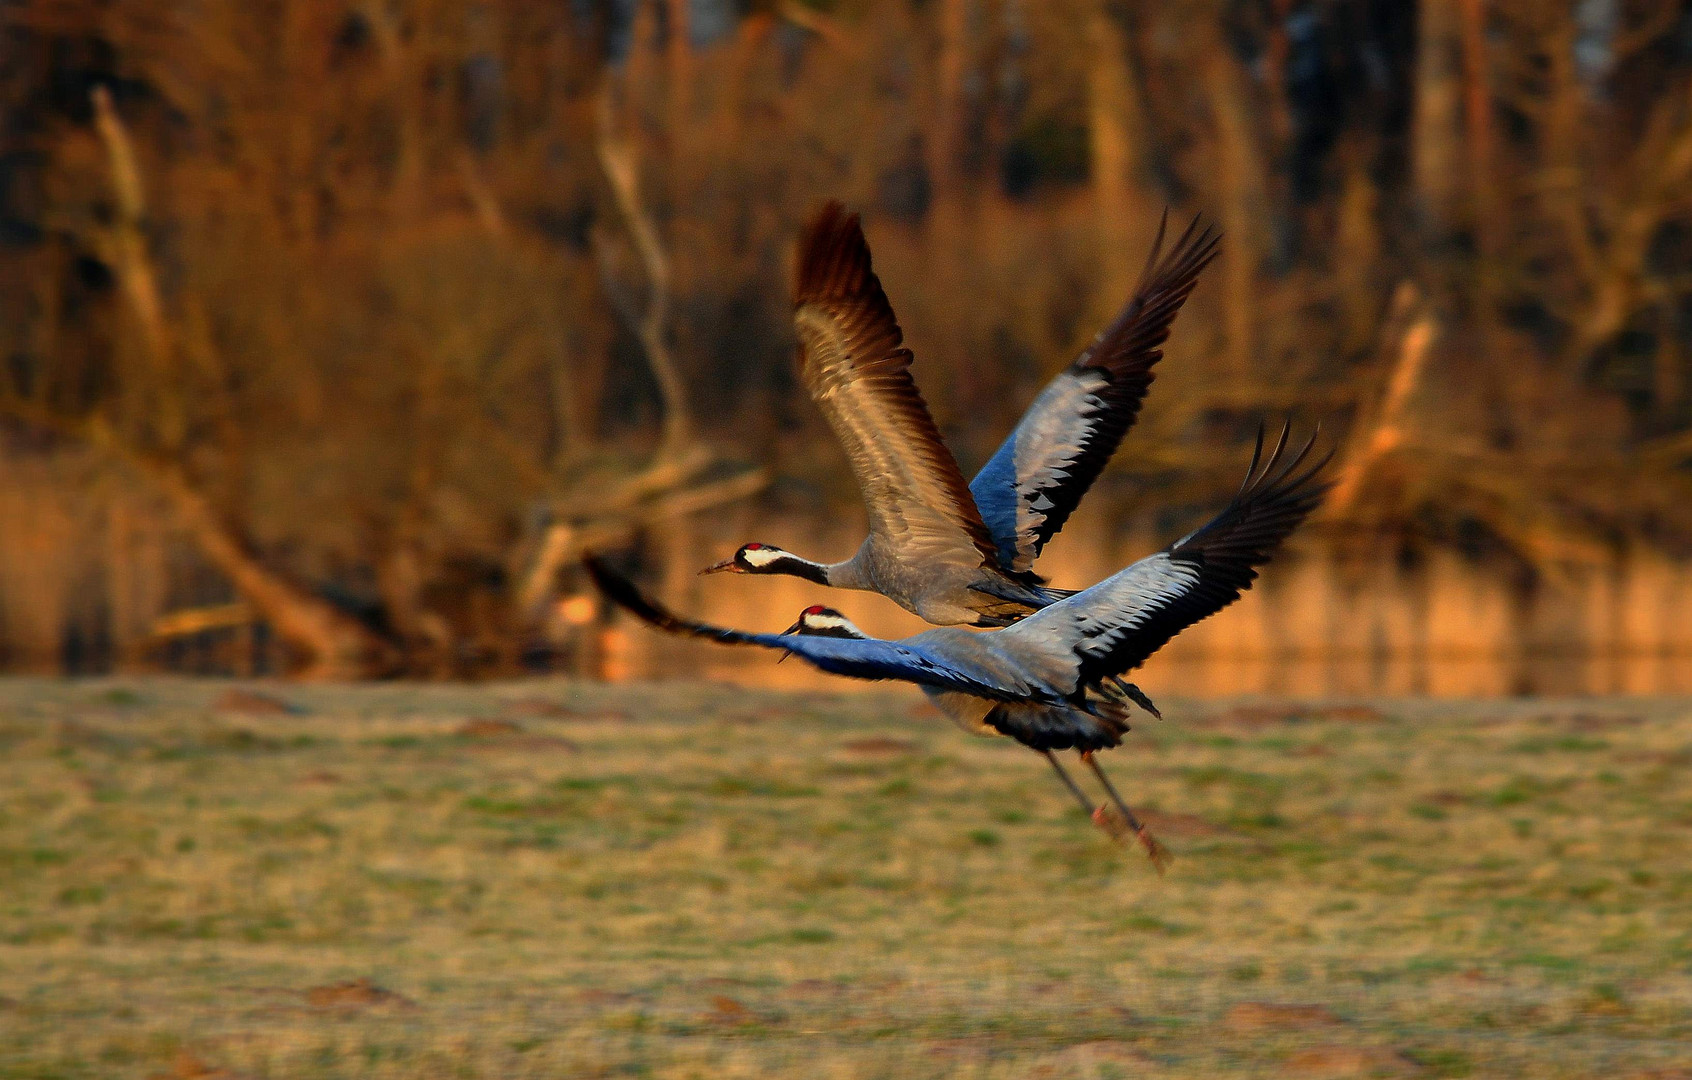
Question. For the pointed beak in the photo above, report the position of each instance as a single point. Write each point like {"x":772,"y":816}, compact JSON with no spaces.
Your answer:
{"x":727,"y":566}
{"x":794,"y":629}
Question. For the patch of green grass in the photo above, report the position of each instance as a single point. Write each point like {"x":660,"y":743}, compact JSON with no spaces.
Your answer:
{"x":73,"y":895}
{"x":1151,"y":924}
{"x":732,"y":786}
{"x":1560,"y":744}
{"x":1444,"y":1062}
{"x":725,"y":897}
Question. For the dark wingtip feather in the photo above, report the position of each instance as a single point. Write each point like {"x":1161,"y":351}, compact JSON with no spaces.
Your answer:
{"x":1131,"y":344}
{"x":623,"y":592}
{"x":1157,"y":245}
{"x":1227,"y":553}
{"x":834,"y":258}
{"x":1272,"y":502}
{"x":1126,"y":352}
{"x":1251,"y":470}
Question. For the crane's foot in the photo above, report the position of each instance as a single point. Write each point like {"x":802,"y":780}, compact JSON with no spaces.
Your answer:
{"x":1156,"y":852}
{"x":1110,"y":820}
{"x":1137,"y":696}
{"x":1107,"y":819}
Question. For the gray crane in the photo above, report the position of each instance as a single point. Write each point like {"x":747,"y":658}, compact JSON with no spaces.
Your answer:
{"x":951,"y":553}
{"x":1052,"y":681}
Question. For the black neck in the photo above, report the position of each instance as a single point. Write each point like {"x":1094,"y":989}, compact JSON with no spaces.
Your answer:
{"x":794,"y":566}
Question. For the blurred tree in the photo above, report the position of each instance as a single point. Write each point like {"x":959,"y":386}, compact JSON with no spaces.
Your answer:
{"x":399,"y":304}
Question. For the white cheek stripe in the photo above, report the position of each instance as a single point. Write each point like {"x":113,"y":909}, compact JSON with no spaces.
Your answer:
{"x":763,"y":556}
{"x":829,"y":622}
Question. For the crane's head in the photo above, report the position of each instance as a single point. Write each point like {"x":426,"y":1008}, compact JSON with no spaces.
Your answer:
{"x":753,"y":559}
{"x":819,"y":621}
{"x":769,"y":559}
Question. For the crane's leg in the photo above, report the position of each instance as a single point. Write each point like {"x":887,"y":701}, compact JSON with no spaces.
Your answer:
{"x":1158,"y":853}
{"x":1080,"y":797}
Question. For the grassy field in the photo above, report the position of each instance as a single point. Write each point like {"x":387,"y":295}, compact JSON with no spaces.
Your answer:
{"x":549,"y":880}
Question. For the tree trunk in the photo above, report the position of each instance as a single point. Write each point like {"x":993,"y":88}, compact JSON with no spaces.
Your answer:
{"x":1114,"y":128}
{"x":1244,"y":199}
{"x":1436,"y":147}
{"x":1477,"y":109}
{"x":949,"y":127}
{"x":334,"y":644}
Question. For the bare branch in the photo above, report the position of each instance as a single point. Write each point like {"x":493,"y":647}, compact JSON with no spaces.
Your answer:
{"x":1386,"y":433}
{"x":617,"y":158}
{"x":563,"y":542}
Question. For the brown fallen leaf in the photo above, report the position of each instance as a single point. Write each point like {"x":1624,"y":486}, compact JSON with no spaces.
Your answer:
{"x":189,"y":1066}
{"x":539,"y":708}
{"x":1273,"y":1016}
{"x":487,"y":727}
{"x":355,"y":994}
{"x":1090,"y":1055}
{"x":726,"y":1010}
{"x":1337,"y":1062}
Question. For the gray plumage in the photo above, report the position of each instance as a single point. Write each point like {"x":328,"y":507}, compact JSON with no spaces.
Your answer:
{"x":951,"y":553}
{"x":1052,"y":680}
{"x":1033,"y":482}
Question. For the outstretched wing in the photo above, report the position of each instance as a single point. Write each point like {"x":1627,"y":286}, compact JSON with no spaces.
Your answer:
{"x":858,"y":658}
{"x":1114,"y":626}
{"x":1029,"y":487}
{"x":851,"y":361}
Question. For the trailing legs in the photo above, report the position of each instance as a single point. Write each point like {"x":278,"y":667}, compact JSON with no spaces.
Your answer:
{"x":1158,"y":853}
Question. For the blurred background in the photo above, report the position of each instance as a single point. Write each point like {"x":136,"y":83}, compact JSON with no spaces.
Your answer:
{"x":333,"y":332}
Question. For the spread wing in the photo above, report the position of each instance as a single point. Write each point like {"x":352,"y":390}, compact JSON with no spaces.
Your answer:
{"x":859,"y":658}
{"x":851,"y":361}
{"x":1114,"y":626}
{"x":1029,"y":487}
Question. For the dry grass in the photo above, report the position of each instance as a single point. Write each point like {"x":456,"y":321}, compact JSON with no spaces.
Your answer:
{"x":689,"y":881}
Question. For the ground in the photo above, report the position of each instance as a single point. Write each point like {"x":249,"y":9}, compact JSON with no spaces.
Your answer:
{"x":546,"y":879}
